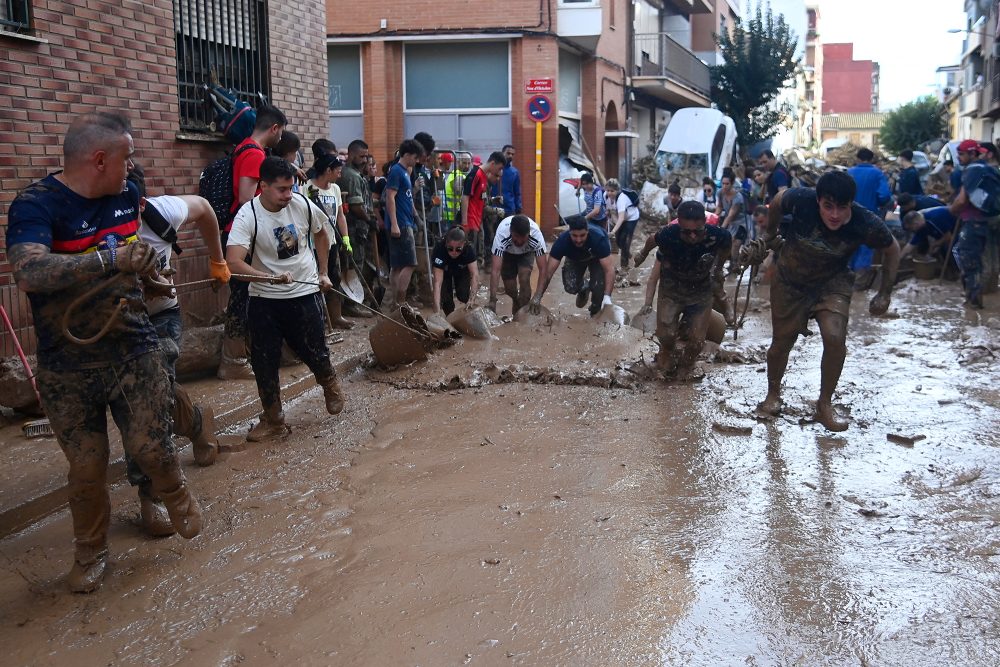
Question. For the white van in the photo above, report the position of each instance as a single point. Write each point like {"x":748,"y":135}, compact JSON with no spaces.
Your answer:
{"x":698,"y":142}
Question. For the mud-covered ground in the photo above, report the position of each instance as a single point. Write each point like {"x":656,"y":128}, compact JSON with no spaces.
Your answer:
{"x":526,"y":501}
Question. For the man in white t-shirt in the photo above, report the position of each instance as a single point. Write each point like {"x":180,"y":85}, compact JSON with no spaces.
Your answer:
{"x":160,"y":218}
{"x":274,"y":236}
{"x":517,"y":240}
{"x":624,"y":216}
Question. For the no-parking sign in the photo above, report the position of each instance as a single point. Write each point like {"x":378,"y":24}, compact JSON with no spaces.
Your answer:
{"x":539,"y":108}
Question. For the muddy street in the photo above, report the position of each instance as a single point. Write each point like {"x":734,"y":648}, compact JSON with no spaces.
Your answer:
{"x":530,"y":501}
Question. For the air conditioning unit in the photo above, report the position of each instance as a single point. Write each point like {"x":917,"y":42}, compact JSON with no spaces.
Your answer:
{"x":996,"y":50}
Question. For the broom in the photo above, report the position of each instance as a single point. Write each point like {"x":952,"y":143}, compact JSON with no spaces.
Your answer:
{"x":35,"y":428}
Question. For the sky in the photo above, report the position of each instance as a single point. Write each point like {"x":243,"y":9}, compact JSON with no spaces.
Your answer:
{"x":908,"y":43}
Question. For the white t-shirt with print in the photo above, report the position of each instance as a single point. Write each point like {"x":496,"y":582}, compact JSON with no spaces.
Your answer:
{"x":330,"y":200}
{"x":175,"y":211}
{"x":283,"y":244}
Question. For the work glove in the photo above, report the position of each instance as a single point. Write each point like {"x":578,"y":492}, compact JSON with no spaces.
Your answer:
{"x":645,"y":310}
{"x":535,"y":306}
{"x":136,"y":257}
{"x":606,"y":301}
{"x":345,"y":241}
{"x":219,"y":271}
{"x":774,"y":243}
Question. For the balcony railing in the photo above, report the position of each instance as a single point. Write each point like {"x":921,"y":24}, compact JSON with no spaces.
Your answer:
{"x":658,"y":54}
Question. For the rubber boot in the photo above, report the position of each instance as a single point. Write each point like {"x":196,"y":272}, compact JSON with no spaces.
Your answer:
{"x":154,"y":517}
{"x":184,"y":510}
{"x":271,"y":425}
{"x":204,"y":444}
{"x":89,"y":568}
{"x":197,"y":424}
{"x":334,"y":395}
{"x":234,"y":365}
{"x":336,"y":307}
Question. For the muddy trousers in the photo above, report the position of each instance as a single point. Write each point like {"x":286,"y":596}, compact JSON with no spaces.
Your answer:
{"x":76,"y":402}
{"x":185,"y":415}
{"x":686,"y":320}
{"x":456,"y":284}
{"x":573,"y":280}
{"x":236,"y":310}
{"x":623,"y":237}
{"x":969,"y":248}
{"x":298,"y":322}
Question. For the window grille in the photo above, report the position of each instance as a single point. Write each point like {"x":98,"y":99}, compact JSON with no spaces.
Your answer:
{"x":223,"y":42}
{"x":15,"y":15}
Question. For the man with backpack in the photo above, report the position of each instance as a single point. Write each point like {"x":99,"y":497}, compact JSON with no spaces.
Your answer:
{"x":623,"y":209}
{"x":245,"y":165}
{"x":977,"y":203}
{"x":273,"y":236}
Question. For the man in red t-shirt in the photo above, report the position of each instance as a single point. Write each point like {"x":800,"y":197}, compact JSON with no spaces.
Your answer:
{"x":474,"y":197}
{"x":247,"y":159}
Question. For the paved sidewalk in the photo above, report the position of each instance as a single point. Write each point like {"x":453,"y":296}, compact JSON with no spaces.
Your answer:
{"x":33,"y":471}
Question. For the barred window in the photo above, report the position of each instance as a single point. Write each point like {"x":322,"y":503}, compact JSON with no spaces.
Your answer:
{"x":223,"y":43}
{"x":15,"y":15}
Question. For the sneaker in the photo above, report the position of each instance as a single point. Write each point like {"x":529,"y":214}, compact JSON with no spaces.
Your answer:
{"x":583,"y":294}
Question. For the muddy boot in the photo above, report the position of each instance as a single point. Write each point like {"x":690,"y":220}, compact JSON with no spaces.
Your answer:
{"x":352,"y":309}
{"x":827,"y":416}
{"x":184,"y":510}
{"x":87,"y":573}
{"x":335,"y":305}
{"x":153,"y":515}
{"x":583,"y":295}
{"x":235,"y":365}
{"x":204,"y":444}
{"x":334,"y":396}
{"x":271,"y":425}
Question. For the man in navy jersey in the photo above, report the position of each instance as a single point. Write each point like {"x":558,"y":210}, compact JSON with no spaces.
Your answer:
{"x":67,"y":234}
{"x":587,"y":250}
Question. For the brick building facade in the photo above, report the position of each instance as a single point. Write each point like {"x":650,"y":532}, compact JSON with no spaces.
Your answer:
{"x":849,"y":85}
{"x":123,"y":55}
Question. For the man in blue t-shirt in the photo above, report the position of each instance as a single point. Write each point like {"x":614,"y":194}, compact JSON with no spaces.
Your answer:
{"x":931,"y":228}
{"x":400,"y":216}
{"x":72,"y":243}
{"x":824,"y":229}
{"x":586,"y":248}
{"x":689,"y":259}
{"x":908,"y":202}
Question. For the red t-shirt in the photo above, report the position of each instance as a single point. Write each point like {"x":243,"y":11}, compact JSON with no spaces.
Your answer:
{"x":247,"y":165}
{"x":475,"y":188}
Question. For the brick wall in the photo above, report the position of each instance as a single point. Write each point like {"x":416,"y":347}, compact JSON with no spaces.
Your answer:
{"x":348,"y":17}
{"x":120,"y":55}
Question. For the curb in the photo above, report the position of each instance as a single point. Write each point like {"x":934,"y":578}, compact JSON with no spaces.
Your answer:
{"x":34,"y":510}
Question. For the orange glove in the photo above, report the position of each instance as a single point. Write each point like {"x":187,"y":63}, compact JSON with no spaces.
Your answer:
{"x":219,"y":271}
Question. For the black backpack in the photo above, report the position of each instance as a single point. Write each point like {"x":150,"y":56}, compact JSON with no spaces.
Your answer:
{"x":632,"y":195}
{"x":216,"y":185}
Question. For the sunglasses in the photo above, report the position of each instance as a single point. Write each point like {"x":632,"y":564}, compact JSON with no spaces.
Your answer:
{"x":454,"y":250}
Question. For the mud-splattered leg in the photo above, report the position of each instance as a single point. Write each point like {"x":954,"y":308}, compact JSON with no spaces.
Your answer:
{"x":833,"y":327}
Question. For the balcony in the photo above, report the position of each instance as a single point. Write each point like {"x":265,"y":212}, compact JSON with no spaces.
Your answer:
{"x":991,"y":98}
{"x":580,"y":22}
{"x":688,"y":7}
{"x":969,"y":105}
{"x":668,"y":71}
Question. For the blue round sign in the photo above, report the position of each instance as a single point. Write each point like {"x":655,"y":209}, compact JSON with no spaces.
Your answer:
{"x":539,"y":108}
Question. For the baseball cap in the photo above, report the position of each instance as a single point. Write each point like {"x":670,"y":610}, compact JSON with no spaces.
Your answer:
{"x":971,"y":146}
{"x":476,"y":160}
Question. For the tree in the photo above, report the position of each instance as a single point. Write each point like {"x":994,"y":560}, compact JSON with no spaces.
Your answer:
{"x":912,"y":124}
{"x":759,"y":59}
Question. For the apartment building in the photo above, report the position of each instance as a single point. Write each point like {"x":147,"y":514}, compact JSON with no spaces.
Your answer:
{"x":147,"y":59}
{"x":849,"y":85}
{"x":612,"y":70}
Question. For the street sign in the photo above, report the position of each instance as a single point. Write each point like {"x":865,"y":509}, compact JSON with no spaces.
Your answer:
{"x":539,"y":108}
{"x":534,"y":86}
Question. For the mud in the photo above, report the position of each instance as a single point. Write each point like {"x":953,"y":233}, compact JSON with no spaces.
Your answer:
{"x":477,"y":323}
{"x":532,"y":522}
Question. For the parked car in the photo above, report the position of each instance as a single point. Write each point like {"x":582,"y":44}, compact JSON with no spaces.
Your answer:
{"x":698,"y":142}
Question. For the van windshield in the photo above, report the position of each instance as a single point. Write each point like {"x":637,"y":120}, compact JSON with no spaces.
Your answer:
{"x":670,"y":161}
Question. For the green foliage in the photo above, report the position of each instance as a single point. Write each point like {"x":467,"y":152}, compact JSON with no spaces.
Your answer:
{"x":912,"y":124}
{"x":759,"y":60}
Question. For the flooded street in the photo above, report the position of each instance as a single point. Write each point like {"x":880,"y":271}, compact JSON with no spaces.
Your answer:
{"x":530,"y":501}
